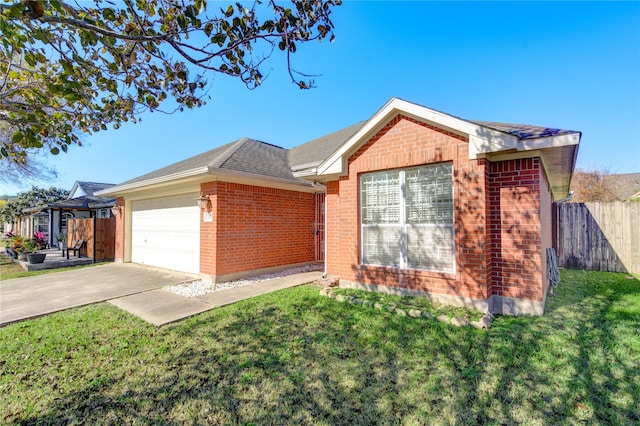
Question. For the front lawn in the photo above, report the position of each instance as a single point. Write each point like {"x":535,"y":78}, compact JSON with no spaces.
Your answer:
{"x":294,"y":357}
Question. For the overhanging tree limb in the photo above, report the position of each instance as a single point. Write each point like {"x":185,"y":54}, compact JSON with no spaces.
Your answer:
{"x":71,"y":68}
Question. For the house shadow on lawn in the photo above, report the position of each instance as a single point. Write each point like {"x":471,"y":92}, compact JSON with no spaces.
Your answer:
{"x":306,"y":359}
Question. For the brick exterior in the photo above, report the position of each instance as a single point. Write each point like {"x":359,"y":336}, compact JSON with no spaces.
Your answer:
{"x":119,"y":244}
{"x":255,"y":228}
{"x":516,"y":249}
{"x":497,"y":217}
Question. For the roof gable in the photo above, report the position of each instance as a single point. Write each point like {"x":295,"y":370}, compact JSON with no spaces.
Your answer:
{"x":557,"y":147}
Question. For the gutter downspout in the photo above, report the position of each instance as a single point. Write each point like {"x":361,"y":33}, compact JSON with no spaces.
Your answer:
{"x":324,"y":275}
{"x":565,"y":199}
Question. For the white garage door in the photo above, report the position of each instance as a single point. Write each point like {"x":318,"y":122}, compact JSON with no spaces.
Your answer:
{"x":165,"y":232}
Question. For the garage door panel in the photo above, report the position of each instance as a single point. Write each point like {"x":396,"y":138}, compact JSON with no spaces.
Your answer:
{"x":165,"y":232}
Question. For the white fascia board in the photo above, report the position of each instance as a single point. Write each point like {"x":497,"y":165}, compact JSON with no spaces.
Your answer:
{"x":307,"y":172}
{"x":119,"y":189}
{"x":73,"y":193}
{"x":306,"y":166}
{"x":487,"y":141}
{"x":550,"y":142}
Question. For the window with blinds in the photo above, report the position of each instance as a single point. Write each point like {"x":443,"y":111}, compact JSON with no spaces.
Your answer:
{"x":407,"y":218}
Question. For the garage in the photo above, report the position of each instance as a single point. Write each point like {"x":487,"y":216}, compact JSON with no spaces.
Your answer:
{"x":165,"y":232}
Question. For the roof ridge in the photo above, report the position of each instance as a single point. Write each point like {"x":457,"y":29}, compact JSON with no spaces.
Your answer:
{"x":223,"y":158}
{"x":219,"y":161}
{"x":92,"y":182}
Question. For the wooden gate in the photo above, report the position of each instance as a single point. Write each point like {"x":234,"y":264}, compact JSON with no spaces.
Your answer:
{"x":99,"y":236}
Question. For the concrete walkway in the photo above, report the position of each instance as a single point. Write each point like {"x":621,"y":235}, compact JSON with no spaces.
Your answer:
{"x":30,"y":297}
{"x":160,"y":307}
{"x":132,"y":287}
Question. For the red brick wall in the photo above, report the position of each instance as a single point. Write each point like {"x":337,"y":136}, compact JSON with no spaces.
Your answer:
{"x":255,"y":227}
{"x":119,"y":245}
{"x":405,"y":142}
{"x":516,"y":260}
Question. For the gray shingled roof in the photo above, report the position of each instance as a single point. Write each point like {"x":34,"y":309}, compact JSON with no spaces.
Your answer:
{"x":91,"y":188}
{"x":624,"y":186}
{"x":244,"y":155}
{"x":321,"y":148}
{"x":260,"y":158}
{"x":89,"y":200}
{"x":524,"y":131}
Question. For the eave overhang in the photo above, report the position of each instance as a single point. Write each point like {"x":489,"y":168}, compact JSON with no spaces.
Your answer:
{"x":201,"y":175}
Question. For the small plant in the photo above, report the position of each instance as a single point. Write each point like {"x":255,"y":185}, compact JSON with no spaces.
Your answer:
{"x":30,"y":246}
{"x":40,"y":238}
{"x":17,"y":242}
{"x":7,"y":238}
{"x":61,"y":236}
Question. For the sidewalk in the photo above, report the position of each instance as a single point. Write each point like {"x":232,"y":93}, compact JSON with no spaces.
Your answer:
{"x":34,"y":296}
{"x":160,"y":307}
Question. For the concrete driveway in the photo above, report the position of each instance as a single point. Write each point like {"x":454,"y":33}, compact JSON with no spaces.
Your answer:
{"x":30,"y":297}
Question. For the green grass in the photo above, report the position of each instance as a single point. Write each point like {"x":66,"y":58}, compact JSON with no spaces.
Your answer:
{"x":10,"y":269}
{"x":294,"y":357}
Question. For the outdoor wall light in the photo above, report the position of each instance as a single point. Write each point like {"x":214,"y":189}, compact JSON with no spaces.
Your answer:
{"x":115,"y":210}
{"x":202,"y":201}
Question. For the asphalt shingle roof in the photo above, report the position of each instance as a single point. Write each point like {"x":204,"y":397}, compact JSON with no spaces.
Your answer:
{"x":321,"y":148}
{"x":91,"y":188}
{"x":624,"y":186}
{"x":244,"y":155}
{"x":89,"y":200}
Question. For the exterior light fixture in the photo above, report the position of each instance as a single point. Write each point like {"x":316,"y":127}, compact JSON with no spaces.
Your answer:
{"x":115,"y":210}
{"x":202,"y":201}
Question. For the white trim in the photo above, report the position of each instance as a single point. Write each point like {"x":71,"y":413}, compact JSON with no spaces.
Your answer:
{"x":402,"y":223}
{"x":551,"y":141}
{"x":305,"y":166}
{"x":119,"y":189}
{"x":207,"y":174}
{"x":306,"y":172}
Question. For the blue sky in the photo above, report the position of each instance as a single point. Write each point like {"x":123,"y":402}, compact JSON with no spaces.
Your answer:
{"x":573,"y":65}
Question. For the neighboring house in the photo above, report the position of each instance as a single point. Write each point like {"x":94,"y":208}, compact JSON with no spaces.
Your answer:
{"x":624,"y":186}
{"x":82,"y":202}
{"x":413,"y":201}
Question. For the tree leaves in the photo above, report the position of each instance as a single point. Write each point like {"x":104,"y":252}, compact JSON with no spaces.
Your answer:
{"x":86,"y":66}
{"x":36,"y":196}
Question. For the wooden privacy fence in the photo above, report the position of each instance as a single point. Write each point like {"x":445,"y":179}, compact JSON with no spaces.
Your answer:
{"x":598,"y":236}
{"x":99,"y":236}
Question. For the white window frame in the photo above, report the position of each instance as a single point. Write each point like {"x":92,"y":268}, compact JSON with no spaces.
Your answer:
{"x":433,"y":230}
